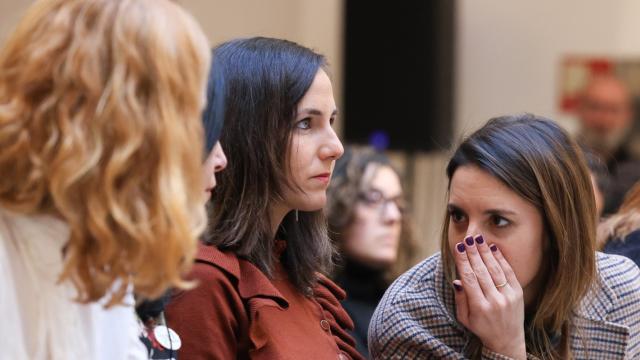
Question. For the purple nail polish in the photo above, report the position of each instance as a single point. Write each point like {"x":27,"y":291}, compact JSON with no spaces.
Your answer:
{"x":457,"y":287}
{"x":460,"y":247}
{"x":469,"y":240}
{"x":479,"y":239}
{"x":493,"y":247}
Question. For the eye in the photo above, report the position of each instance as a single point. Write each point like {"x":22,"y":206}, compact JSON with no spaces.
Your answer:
{"x":332,"y":120}
{"x":457,"y":216}
{"x":372,"y":197}
{"x":499,"y":221}
{"x":304,"y":124}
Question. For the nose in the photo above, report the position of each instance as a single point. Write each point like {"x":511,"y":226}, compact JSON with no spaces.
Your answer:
{"x":220,"y":159}
{"x":391,"y":213}
{"x":332,"y":149}
{"x":473,"y":229}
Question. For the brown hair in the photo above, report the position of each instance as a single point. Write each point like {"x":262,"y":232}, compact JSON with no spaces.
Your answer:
{"x":625,"y":221}
{"x":536,"y":159}
{"x":264,"y":79}
{"x":100,"y":104}
{"x":342,"y":196}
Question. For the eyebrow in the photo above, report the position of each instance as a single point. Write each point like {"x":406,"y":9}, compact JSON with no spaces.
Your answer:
{"x":373,"y":188}
{"x":312,"y":111}
{"x":498,"y":211}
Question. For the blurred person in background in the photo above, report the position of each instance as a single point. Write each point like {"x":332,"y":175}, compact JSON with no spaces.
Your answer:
{"x":101,"y":151}
{"x":599,"y":179}
{"x":368,"y":223}
{"x":620,"y":233}
{"x":263,"y":293}
{"x":605,"y":112}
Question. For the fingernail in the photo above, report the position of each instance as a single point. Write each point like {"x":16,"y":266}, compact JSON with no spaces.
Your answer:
{"x":460,"y":247}
{"x":469,"y":240}
{"x":493,"y":247}
{"x":479,"y":239}
{"x":457,"y":287}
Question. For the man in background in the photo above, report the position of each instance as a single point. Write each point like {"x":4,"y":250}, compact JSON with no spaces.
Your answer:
{"x":606,"y":116}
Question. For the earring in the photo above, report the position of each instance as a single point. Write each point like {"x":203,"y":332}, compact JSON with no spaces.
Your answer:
{"x":296,"y":215}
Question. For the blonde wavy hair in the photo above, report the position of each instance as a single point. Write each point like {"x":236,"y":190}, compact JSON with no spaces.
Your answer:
{"x":100,"y":104}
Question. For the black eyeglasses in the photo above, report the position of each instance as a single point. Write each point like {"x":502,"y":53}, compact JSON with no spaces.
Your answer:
{"x":375,"y":199}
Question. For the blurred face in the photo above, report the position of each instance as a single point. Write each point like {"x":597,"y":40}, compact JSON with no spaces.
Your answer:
{"x":481,"y":204}
{"x":374,"y":236}
{"x":605,"y":114}
{"x":314,"y":147}
{"x":216,"y":161}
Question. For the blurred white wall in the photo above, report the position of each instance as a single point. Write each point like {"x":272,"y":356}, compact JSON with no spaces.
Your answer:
{"x":315,"y":24}
{"x":508,"y":52}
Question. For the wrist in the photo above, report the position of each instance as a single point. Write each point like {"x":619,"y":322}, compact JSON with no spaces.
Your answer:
{"x":515,"y":350}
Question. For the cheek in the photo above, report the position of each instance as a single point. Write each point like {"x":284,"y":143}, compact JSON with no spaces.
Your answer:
{"x":524,"y":253}
{"x":455,"y":235}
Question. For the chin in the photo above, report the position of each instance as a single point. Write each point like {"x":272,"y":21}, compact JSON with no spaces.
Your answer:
{"x":313,"y":203}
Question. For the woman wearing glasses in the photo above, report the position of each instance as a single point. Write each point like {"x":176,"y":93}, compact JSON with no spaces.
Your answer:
{"x":367,"y":220}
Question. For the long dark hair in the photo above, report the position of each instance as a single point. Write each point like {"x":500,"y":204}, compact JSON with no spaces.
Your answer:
{"x":536,"y":159}
{"x":264,"y":79}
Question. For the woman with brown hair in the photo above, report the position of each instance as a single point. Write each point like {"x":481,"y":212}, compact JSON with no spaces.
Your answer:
{"x":518,"y":247}
{"x":101,"y":163}
{"x":620,"y":233}
{"x":262,"y":294}
{"x":368,"y":223}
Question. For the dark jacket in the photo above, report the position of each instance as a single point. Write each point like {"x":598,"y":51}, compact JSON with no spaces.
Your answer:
{"x":629,"y":246}
{"x":364,"y":287}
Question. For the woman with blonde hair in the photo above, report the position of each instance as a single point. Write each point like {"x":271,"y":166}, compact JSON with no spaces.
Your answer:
{"x":518,"y":275}
{"x":620,"y":233}
{"x":101,"y":150}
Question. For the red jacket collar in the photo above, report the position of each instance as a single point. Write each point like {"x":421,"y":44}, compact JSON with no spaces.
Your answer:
{"x":251,"y":281}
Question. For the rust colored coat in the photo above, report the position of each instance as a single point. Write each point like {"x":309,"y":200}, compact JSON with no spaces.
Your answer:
{"x":238,"y":312}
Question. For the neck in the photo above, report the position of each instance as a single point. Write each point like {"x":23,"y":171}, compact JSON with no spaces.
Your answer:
{"x":277,"y":212}
{"x":531,"y":291}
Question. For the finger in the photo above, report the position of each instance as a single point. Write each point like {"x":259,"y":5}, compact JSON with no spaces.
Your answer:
{"x":494,"y":268}
{"x":466,"y":274}
{"x":482,"y":274}
{"x":506,"y":268}
{"x":462,"y":307}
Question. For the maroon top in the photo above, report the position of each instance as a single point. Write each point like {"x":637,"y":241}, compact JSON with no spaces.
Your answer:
{"x":236,"y":311}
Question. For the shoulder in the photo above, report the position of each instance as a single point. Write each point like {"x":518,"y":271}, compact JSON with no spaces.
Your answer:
{"x":628,"y":246}
{"x":612,"y":308}
{"x":414,"y":316}
{"x":618,"y":273}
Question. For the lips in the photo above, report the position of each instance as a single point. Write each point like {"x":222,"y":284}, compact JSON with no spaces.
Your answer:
{"x":324,"y":177}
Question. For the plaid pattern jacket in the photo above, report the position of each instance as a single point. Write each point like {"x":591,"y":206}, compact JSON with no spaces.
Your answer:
{"x":416,"y":317}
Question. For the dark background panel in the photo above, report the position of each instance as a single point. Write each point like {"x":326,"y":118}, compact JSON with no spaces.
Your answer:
{"x":399,"y":72}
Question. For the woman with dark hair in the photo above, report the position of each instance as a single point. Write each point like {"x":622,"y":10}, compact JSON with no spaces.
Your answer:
{"x":262,"y":294}
{"x":518,"y":247}
{"x":370,"y":227}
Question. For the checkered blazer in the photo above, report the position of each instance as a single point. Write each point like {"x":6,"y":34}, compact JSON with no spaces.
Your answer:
{"x":416,"y":317}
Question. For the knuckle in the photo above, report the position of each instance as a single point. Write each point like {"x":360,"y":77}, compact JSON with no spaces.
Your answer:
{"x":494,"y":269}
{"x":468,"y":276}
